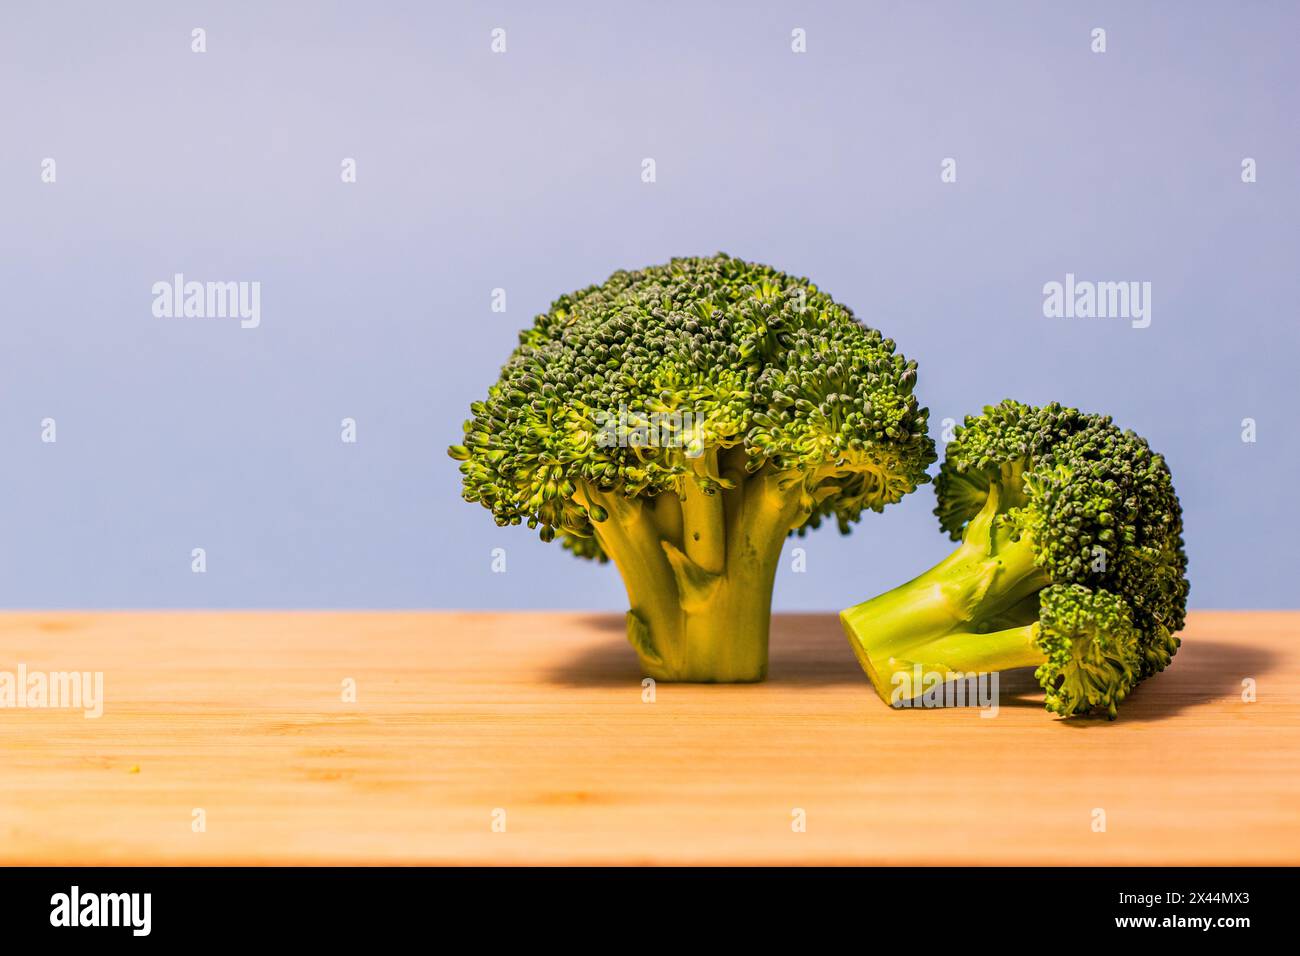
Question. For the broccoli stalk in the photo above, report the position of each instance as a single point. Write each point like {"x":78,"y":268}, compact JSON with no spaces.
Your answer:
{"x":769,"y":406}
{"x":972,"y":612}
{"x":1071,"y":561}
{"x":699,"y":571}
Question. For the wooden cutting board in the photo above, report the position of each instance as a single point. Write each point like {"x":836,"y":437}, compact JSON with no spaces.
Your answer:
{"x":537,"y":721}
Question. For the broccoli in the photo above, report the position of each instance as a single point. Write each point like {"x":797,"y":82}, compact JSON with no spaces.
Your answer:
{"x":682,"y":420}
{"x":1071,"y":561}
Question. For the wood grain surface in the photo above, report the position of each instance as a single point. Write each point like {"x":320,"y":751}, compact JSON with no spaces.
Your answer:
{"x":541,"y":715}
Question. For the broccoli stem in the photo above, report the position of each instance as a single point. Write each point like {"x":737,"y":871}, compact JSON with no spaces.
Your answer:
{"x":704,"y":531}
{"x":973,"y":611}
{"x":699,"y":571}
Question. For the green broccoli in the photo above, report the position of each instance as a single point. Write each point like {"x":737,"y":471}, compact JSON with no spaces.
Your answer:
{"x":1071,"y":561}
{"x":682,"y":420}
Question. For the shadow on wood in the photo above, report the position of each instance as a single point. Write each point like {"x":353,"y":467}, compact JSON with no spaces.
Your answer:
{"x":809,"y":650}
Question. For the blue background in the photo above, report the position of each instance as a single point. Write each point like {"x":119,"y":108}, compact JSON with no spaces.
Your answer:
{"x":522,"y":171}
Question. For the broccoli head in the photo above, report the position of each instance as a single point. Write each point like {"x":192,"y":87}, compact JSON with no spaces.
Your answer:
{"x":682,"y":420}
{"x":1071,"y":561}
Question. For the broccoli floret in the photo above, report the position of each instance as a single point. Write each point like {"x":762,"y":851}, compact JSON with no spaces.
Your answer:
{"x":681,"y":420}
{"x":1071,"y":561}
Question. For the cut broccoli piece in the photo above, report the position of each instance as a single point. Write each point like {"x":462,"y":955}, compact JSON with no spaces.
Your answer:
{"x":1071,"y":561}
